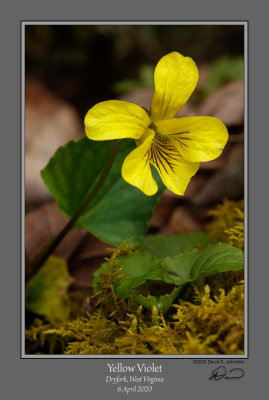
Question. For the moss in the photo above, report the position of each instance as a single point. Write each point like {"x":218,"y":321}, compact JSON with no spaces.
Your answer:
{"x":207,"y":319}
{"x":107,"y":281}
{"x":227,"y":224}
{"x":204,"y":326}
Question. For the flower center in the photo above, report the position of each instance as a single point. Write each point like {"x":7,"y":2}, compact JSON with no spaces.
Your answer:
{"x":158,"y":133}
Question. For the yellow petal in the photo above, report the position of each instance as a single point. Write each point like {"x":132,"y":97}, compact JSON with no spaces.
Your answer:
{"x":136,"y":168}
{"x":174,"y":170}
{"x":115,"y":119}
{"x":175,"y":79}
{"x":197,"y":138}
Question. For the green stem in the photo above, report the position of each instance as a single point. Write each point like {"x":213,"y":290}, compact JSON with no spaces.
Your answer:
{"x":39,"y":260}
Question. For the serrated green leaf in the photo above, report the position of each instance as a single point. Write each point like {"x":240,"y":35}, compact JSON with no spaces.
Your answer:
{"x":138,"y":267}
{"x":196,"y":264}
{"x":46,"y":292}
{"x":119,"y":211}
{"x":163,"y":303}
{"x":164,"y":246}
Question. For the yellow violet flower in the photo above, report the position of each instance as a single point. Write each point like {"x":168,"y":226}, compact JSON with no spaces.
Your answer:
{"x":175,"y":146}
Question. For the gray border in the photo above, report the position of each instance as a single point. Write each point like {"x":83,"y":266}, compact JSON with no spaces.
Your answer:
{"x":66,"y":379}
{"x":30,"y":356}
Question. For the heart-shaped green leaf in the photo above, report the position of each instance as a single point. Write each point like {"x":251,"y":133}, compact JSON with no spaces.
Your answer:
{"x":139,"y":267}
{"x":119,"y":211}
{"x":196,"y":264}
{"x":168,"y":246}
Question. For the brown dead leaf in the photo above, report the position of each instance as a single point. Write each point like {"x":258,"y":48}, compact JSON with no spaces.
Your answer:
{"x":181,"y":220}
{"x":49,"y":123}
{"x":82,"y":272}
{"x":236,"y":154}
{"x":227,"y":182}
{"x":226,"y":103}
{"x":218,"y":163}
{"x":163,"y":210}
{"x":196,"y":184}
{"x":41,"y":225}
{"x":91,"y":247}
{"x":236,"y":137}
{"x":89,"y":255}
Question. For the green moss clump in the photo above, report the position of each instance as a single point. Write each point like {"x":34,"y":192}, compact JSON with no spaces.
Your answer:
{"x":207,"y":319}
{"x":228,"y":223}
{"x":106,"y":296}
{"x":214,"y":325}
{"x":205,"y":326}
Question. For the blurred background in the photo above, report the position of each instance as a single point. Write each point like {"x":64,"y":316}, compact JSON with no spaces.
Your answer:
{"x":70,"y":68}
{"x":87,"y":64}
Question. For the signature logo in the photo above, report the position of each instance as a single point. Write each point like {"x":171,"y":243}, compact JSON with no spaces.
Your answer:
{"x":222,"y":373}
